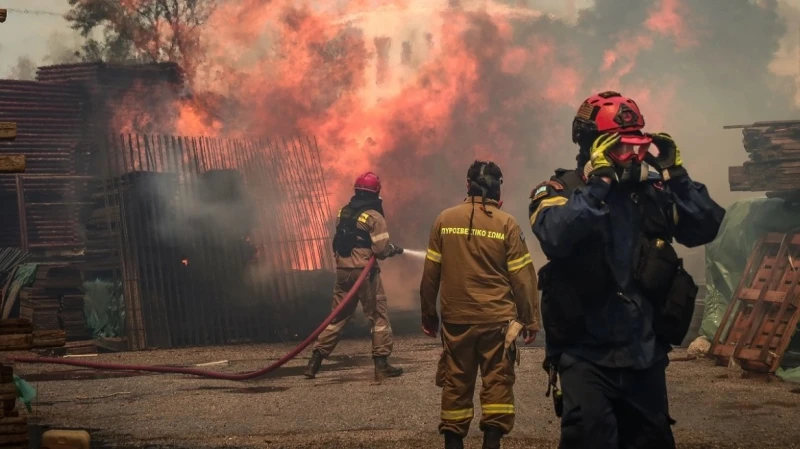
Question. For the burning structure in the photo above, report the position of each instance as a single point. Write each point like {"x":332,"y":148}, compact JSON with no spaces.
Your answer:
{"x":207,"y":240}
{"x":415,"y":91}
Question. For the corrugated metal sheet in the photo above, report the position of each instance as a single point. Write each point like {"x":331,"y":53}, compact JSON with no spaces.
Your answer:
{"x":122,"y":99}
{"x":62,"y":120}
{"x":50,"y":133}
{"x":50,"y":124}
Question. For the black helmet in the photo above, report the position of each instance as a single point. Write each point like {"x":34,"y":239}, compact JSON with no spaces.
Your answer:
{"x":485,"y":177}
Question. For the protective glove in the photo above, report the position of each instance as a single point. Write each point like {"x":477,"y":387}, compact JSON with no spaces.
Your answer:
{"x":430,"y":325}
{"x":529,"y":334}
{"x":602,"y":165}
{"x":394,"y":250}
{"x":668,"y":162}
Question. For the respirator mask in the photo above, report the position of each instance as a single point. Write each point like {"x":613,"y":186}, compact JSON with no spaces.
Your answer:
{"x":629,"y":158}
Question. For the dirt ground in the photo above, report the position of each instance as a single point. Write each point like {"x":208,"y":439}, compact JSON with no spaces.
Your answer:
{"x":343,"y":408}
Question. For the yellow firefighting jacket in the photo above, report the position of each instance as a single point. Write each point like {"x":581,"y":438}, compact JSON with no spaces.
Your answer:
{"x":489,"y":278}
{"x":374,"y":223}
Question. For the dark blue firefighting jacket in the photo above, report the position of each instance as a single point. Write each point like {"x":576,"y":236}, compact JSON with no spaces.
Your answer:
{"x":619,"y":329}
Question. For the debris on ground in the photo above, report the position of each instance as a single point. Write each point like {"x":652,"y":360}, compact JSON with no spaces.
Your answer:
{"x":285,"y":410}
{"x":699,"y":347}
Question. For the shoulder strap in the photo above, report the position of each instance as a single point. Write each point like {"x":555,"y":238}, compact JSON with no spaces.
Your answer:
{"x":361,"y":213}
{"x":347,"y":213}
{"x":350,"y":216}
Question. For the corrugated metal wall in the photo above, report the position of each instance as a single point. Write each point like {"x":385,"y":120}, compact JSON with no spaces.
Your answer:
{"x":63,"y":119}
{"x":85,"y":199}
{"x":51,"y":124}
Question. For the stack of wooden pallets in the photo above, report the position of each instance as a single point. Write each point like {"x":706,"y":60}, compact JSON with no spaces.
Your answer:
{"x":762,"y":317}
{"x":774,"y":152}
{"x":13,"y":428}
{"x":18,"y":334}
{"x":55,"y":302}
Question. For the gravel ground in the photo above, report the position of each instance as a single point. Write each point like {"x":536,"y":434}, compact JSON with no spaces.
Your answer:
{"x":344,"y":408}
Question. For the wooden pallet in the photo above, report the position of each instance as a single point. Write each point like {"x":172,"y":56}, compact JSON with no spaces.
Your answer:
{"x":13,"y":428}
{"x":763,"y":314}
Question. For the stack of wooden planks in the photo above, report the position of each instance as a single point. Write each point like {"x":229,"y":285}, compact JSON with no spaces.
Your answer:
{"x":13,"y":428}
{"x":18,"y":334}
{"x":774,"y":152}
{"x":55,"y":302}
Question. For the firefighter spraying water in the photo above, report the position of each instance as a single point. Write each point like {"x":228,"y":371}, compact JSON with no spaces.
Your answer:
{"x":361,"y":233}
{"x":415,"y":253}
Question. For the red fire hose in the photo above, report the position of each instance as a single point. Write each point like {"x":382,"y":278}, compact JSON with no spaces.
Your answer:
{"x":211,"y":374}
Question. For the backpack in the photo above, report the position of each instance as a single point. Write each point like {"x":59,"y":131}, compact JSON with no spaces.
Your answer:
{"x":348,"y":236}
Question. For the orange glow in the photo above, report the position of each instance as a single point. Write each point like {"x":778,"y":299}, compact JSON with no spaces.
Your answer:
{"x":410,"y":89}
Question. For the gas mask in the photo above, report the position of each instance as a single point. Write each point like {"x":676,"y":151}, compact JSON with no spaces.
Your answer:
{"x":629,"y":158}
{"x":628,"y":164}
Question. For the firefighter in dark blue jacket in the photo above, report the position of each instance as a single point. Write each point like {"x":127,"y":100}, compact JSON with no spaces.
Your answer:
{"x":615,"y":296}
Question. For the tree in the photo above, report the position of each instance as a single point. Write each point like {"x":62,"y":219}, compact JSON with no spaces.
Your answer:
{"x":142,"y":30}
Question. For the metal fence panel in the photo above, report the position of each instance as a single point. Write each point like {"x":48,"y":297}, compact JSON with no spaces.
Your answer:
{"x":217,"y":241}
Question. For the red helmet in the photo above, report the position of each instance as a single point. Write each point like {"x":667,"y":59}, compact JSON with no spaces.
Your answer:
{"x":369,"y":181}
{"x":606,"y":112}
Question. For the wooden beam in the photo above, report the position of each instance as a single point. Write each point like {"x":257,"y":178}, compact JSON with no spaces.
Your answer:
{"x":12,"y":163}
{"x":765,"y":124}
{"x":8,"y":130}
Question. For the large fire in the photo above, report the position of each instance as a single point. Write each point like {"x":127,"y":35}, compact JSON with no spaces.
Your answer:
{"x":415,"y":89}
{"x":412,"y":90}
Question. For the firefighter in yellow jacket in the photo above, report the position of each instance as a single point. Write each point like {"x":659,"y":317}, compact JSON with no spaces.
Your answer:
{"x":478,"y":255}
{"x":361,"y":232}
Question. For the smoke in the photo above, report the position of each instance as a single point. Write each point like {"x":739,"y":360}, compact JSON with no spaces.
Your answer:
{"x":60,"y":48}
{"x":25,"y":69}
{"x":416,"y":90}
{"x":63,"y":48}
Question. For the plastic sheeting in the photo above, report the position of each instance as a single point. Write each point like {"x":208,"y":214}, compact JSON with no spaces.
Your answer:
{"x":726,"y":257}
{"x":25,"y":392}
{"x":23,"y":277}
{"x":104,"y":308}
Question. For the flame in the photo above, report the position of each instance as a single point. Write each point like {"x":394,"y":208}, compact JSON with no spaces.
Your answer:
{"x":413,"y":90}
{"x":185,"y":262}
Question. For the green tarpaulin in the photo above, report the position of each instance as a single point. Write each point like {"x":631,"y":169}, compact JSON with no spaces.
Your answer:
{"x":25,"y":392}
{"x":23,"y":277}
{"x":104,"y":307}
{"x":726,"y":257}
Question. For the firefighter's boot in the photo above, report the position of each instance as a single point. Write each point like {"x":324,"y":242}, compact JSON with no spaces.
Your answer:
{"x":313,"y":365}
{"x":491,"y":438}
{"x":384,"y":370}
{"x":453,"y":440}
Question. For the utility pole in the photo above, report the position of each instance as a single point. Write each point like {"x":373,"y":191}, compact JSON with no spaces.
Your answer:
{"x":10,"y":163}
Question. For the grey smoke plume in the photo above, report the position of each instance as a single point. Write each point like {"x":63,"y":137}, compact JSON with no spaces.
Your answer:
{"x":722,"y":77}
{"x":505,"y":85}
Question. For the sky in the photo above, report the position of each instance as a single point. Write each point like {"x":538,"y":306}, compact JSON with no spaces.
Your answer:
{"x":28,"y":34}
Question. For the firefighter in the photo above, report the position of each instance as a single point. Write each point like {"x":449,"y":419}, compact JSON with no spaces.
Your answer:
{"x":478,"y":255}
{"x":615,"y":296}
{"x":361,"y":232}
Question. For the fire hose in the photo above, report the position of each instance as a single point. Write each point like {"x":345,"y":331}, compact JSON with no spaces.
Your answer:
{"x":211,"y":374}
